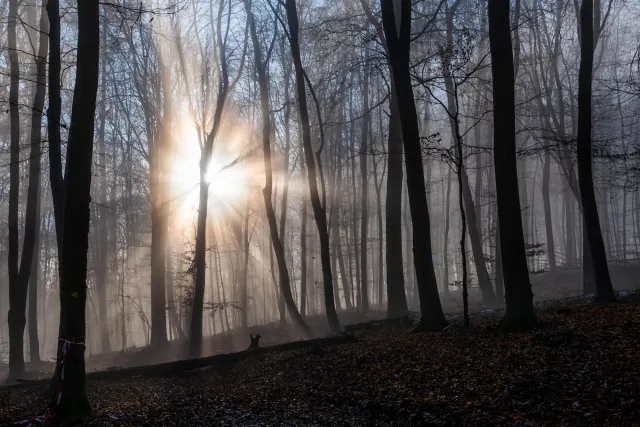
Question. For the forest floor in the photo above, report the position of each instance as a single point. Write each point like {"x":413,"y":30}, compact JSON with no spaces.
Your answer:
{"x":581,"y":367}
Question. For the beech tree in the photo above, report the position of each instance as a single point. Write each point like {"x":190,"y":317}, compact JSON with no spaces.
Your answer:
{"x":519,"y":314}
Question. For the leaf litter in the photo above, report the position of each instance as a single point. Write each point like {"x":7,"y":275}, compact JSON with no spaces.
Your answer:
{"x":581,"y":367}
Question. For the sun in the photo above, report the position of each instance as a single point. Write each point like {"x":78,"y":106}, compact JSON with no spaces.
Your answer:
{"x":227,"y":177}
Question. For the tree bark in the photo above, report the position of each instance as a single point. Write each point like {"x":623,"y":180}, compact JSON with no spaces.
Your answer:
{"x":397,"y":28}
{"x":396,"y":296}
{"x":54,"y":113}
{"x":318,"y":210}
{"x":201,"y":231}
{"x":519,"y":314}
{"x":278,"y":245}
{"x":548,"y":220}
{"x":603,"y":286}
{"x":36,"y":140}
{"x":19,"y":267}
{"x":364,"y":194}
{"x":70,"y":399}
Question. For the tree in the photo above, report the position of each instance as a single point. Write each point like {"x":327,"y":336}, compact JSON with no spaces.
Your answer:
{"x":396,"y":19}
{"x":519,"y":314}
{"x":224,"y":86}
{"x":276,"y":240}
{"x":312,"y":178}
{"x":36,"y":143}
{"x":19,"y":273}
{"x":604,"y":289}
{"x":70,"y":395}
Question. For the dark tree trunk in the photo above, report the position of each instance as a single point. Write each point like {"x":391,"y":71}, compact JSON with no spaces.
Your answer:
{"x":399,"y":41}
{"x":570,"y":237}
{"x":303,"y":249}
{"x":36,"y":140}
{"x":54,"y":113}
{"x":546,"y":200}
{"x":19,"y":267}
{"x":201,"y":231}
{"x":276,"y":240}
{"x":488,"y":295}
{"x":34,"y":343}
{"x":70,"y":398}
{"x":318,"y":210}
{"x":171,"y":301}
{"x":158,"y":248}
{"x":603,"y":286}
{"x":102,"y":244}
{"x":17,"y":292}
{"x":519,"y":314}
{"x":484,"y":281}
{"x":364,"y":195}
{"x":447,"y":221}
{"x":396,"y":296}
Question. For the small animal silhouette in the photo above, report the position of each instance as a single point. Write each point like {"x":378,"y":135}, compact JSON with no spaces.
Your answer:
{"x":254,"y":341}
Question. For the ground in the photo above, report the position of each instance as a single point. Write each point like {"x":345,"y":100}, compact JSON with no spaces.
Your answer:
{"x":580,"y":368}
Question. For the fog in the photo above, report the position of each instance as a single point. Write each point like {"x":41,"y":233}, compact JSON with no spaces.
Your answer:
{"x":175,"y":76}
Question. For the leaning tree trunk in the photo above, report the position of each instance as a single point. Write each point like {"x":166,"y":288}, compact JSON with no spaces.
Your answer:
{"x":318,"y":210}
{"x":519,"y":314}
{"x":277,"y":242}
{"x":399,"y":44}
{"x":70,"y":394}
{"x":603,"y":286}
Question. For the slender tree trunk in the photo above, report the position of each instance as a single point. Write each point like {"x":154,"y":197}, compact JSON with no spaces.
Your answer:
{"x":318,"y":209}
{"x":201,"y":231}
{"x":34,"y":343}
{"x":17,"y":292}
{"x":548,"y":220}
{"x":102,"y":244}
{"x":19,"y":267}
{"x":364,"y":195}
{"x":445,"y":250}
{"x":603,"y":286}
{"x":36,"y":140}
{"x":276,"y":240}
{"x":54,"y":113}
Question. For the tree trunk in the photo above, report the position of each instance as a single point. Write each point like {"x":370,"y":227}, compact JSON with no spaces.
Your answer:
{"x":36,"y":140}
{"x":396,"y":296}
{"x":548,"y":220}
{"x":201,"y":231}
{"x":19,"y":267}
{"x":519,"y":314}
{"x":53,"y":123}
{"x":70,"y":399}
{"x":399,"y":41}
{"x":364,"y":195}
{"x":603,"y":286}
{"x":276,"y":240}
{"x":318,"y":210}
{"x":102,"y":244}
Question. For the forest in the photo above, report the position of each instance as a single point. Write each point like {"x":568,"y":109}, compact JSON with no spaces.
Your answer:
{"x":355,"y":181}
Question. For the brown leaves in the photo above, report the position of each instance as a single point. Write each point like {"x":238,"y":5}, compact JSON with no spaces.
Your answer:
{"x":580,"y":369}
